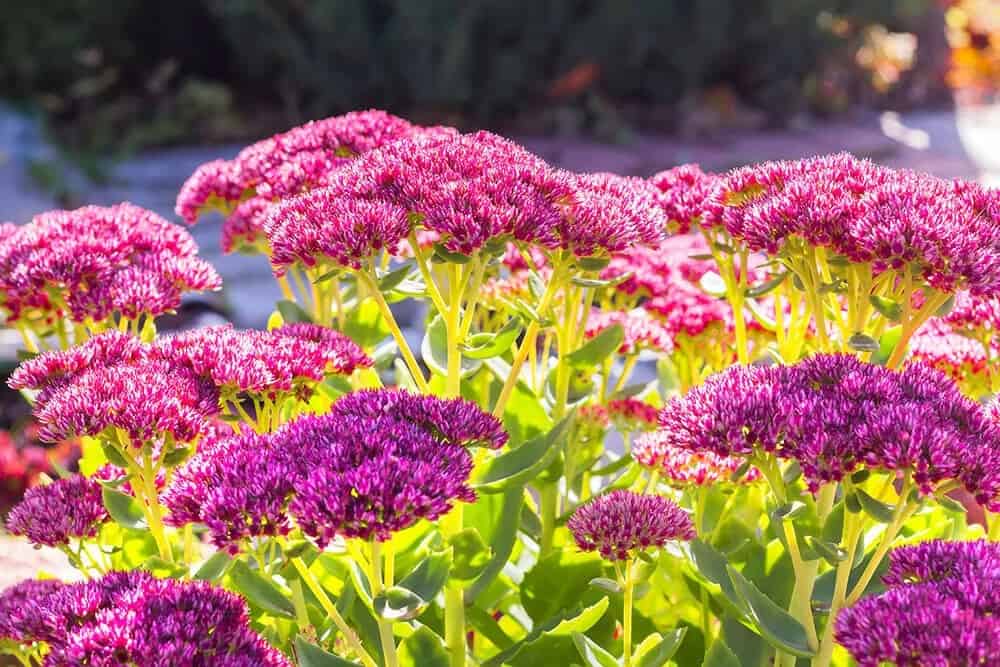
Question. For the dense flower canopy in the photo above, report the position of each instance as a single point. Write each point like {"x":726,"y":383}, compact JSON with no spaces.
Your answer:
{"x":621,"y":523}
{"x":683,"y":467}
{"x":947,"y":231}
{"x":55,"y":513}
{"x":377,"y":463}
{"x":835,"y":413}
{"x":93,"y":262}
{"x":941,"y":609}
{"x":132,"y":618}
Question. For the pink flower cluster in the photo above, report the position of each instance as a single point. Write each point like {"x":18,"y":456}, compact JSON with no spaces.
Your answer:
{"x":93,"y":262}
{"x":948,"y":231}
{"x":642,"y":330}
{"x":685,"y":192}
{"x":683,"y":467}
{"x":174,"y":386}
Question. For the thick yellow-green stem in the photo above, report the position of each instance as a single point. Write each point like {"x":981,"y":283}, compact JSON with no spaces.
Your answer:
{"x":384,"y":627}
{"x":528,"y":342}
{"x":331,"y":610}
{"x":397,"y":333}
{"x":627,"y":616}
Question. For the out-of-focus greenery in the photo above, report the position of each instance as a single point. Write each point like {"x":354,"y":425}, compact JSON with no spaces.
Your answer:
{"x":135,"y":72}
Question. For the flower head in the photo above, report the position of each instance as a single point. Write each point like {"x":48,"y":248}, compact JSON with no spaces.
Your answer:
{"x":55,"y":513}
{"x":962,"y":358}
{"x":132,"y":618}
{"x":685,"y":191}
{"x":453,"y":420}
{"x":383,"y":478}
{"x":610,"y":213}
{"x":288,"y":360}
{"x":286,"y":164}
{"x":95,"y":261}
{"x":621,"y":523}
{"x":917,"y":626}
{"x":237,"y":487}
{"x":835,"y":413}
{"x":941,"y":608}
{"x":683,"y":467}
{"x":946,"y":231}
{"x":20,"y":608}
{"x":641,"y":330}
{"x":632,"y":414}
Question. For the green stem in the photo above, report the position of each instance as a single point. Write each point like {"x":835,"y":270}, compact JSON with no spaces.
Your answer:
{"x":299,"y":604}
{"x":384,"y":627}
{"x":627,"y":616}
{"x":549,"y":496}
{"x":397,"y":333}
{"x":155,"y":514}
{"x":331,"y":611}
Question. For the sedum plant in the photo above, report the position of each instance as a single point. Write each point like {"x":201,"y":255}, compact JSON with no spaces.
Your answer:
{"x":699,"y":419}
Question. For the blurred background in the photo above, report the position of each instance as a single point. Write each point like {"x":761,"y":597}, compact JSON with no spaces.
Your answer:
{"x":109,"y":100}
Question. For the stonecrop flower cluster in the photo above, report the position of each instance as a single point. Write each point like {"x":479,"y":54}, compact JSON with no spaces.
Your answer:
{"x":684,"y":419}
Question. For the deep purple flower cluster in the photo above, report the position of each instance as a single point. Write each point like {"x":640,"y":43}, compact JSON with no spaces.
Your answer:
{"x":947,"y":230}
{"x":452,"y":420}
{"x":942,"y":608}
{"x":238,"y":487}
{"x":835,"y":413}
{"x":19,"y":612}
{"x":621,"y":523}
{"x":133,"y":619}
{"x":55,"y":513}
{"x":685,"y":193}
{"x":94,"y":262}
{"x":377,"y":463}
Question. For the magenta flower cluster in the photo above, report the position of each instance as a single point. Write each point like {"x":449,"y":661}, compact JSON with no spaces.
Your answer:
{"x":942,"y":608}
{"x":377,"y":463}
{"x":834,"y":414}
{"x":683,"y":467}
{"x":53,"y":514}
{"x":114,"y":381}
{"x":133,"y":619}
{"x":620,"y":524}
{"x":947,"y":231}
{"x":94,"y":262}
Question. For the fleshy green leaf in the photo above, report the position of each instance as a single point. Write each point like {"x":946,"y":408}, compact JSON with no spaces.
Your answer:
{"x":365,"y":325}
{"x":607,"y":585}
{"x":214,"y":567}
{"x":398,"y":604}
{"x":523,"y":463}
{"x":310,"y":655}
{"x":767,"y":286}
{"x":430,"y":575}
{"x":292,"y":312}
{"x":874,"y":508}
{"x":502,"y":541}
{"x":260,"y":591}
{"x":434,"y":350}
{"x":582,"y":622}
{"x":861,"y":342}
{"x":442,"y":255}
{"x":828,"y":551}
{"x":713,"y":283}
{"x":423,"y":648}
{"x":391,"y":279}
{"x":124,"y":509}
{"x":471,"y":554}
{"x":596,"y":282}
{"x":493,"y":344}
{"x":655,"y":651}
{"x":595,"y":263}
{"x":592,"y":653}
{"x":720,"y":655}
{"x":779,"y":628}
{"x":598,"y":348}
{"x":889,"y":308}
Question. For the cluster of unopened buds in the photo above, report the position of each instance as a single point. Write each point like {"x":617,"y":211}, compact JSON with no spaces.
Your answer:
{"x":709,"y":419}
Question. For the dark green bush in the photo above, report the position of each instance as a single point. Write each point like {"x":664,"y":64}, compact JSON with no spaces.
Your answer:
{"x":485,"y":59}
